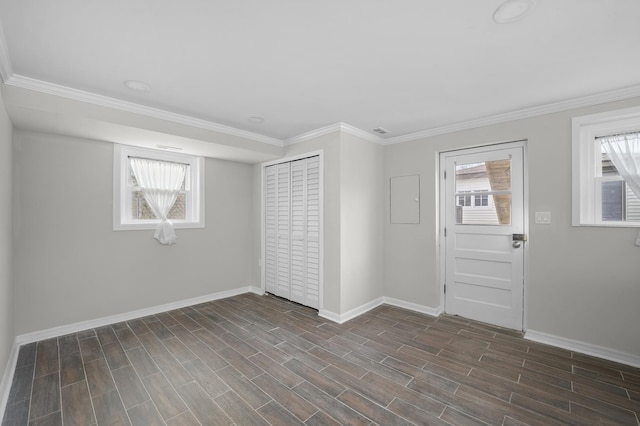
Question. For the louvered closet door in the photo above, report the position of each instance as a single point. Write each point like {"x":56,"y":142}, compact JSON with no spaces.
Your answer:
{"x":284,"y":232}
{"x":298,"y":229}
{"x":271,"y":229}
{"x":276,"y":221}
{"x":292,"y":231}
{"x":312,"y":241}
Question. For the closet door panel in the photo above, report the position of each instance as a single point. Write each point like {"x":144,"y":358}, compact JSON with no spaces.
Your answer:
{"x":271,"y":229}
{"x":312,"y":240}
{"x":298,"y":229}
{"x":284,"y":231}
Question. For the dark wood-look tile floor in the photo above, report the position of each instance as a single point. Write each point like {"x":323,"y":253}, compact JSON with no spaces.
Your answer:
{"x":258,"y":360}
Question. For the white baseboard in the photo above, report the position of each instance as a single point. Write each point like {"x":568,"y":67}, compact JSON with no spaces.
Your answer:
{"x":256,"y":290}
{"x":341,"y":318}
{"x":100,"y":322}
{"x":584,"y":348}
{"x":434,"y":312}
{"x":7,"y":377}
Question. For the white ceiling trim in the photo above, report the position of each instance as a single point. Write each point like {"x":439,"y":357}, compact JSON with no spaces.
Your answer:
{"x":83,"y":96}
{"x":362,"y":134}
{"x":6,"y":70}
{"x":105,"y":101}
{"x":332,"y":128}
{"x":586,"y":101}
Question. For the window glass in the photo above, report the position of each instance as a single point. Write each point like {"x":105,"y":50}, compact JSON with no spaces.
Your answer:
{"x":483,"y":193}
{"x":140,"y":210}
{"x":131,"y":210}
{"x":618,"y":203}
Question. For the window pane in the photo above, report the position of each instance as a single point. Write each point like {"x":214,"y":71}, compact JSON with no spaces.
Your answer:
{"x":613,"y":201}
{"x":619,"y":203}
{"x":178,"y":211}
{"x":633,"y":206}
{"x":134,"y":181}
{"x":140,"y":210}
{"x":608,"y":169}
{"x":497,"y":211}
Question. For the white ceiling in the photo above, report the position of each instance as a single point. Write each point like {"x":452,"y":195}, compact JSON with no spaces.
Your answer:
{"x":408,"y":66}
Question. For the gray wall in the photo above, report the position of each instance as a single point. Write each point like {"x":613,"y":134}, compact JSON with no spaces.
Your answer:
{"x":361,"y":213}
{"x":71,"y":266}
{"x":583,"y":282}
{"x":6,"y":238}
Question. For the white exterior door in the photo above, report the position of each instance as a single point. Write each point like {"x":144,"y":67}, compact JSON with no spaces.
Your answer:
{"x":483,"y":197}
{"x":292,"y":222}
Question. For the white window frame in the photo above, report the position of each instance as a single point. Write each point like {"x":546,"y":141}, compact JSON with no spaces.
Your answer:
{"x":194,"y":200}
{"x":586,"y":163}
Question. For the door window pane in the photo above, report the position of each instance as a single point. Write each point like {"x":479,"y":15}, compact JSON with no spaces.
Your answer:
{"x":483,"y":193}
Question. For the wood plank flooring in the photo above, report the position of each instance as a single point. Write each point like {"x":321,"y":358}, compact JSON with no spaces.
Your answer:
{"x":258,"y":360}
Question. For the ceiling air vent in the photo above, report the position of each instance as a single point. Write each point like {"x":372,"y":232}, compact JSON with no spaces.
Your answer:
{"x":381,"y":131}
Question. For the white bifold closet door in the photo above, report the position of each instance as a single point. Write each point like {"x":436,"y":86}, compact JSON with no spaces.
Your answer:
{"x":292,"y":230}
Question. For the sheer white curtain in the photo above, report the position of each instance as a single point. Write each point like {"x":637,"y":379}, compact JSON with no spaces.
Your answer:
{"x":624,"y":152}
{"x":160,"y":182}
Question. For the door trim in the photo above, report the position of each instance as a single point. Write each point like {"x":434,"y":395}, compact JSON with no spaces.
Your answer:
{"x":320,"y":155}
{"x":441,"y":193}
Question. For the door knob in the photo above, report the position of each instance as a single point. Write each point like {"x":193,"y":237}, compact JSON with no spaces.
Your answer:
{"x":516,"y":244}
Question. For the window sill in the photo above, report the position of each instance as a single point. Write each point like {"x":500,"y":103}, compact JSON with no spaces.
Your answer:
{"x":610,"y":225}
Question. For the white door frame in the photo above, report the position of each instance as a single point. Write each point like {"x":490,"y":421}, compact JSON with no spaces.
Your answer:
{"x":442,"y":215}
{"x":320,"y":154}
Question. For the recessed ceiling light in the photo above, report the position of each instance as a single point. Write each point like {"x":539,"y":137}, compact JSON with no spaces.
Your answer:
{"x":256,"y":120}
{"x":138,"y":86}
{"x":513,"y":10}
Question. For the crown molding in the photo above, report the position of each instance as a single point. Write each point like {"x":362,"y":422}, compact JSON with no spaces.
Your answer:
{"x":332,"y":128}
{"x":313,"y":134}
{"x":585,"y":101}
{"x":105,"y":101}
{"x":6,"y":70}
{"x":362,"y":134}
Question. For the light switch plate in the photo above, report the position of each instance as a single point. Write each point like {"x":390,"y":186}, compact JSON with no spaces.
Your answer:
{"x":543,"y":218}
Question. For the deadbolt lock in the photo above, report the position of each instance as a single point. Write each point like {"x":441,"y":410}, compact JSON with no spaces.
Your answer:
{"x":519,"y":237}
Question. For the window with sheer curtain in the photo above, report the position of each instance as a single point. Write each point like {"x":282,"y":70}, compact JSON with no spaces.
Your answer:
{"x":606,"y":169}
{"x":157,"y":190}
